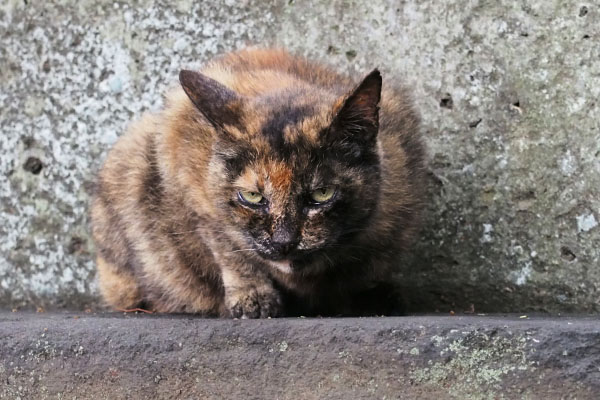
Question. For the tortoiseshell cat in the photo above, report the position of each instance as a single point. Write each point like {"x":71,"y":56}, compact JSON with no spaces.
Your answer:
{"x":268,"y":186}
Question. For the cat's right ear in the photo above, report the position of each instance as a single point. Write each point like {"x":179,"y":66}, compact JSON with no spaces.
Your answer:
{"x":220,"y":105}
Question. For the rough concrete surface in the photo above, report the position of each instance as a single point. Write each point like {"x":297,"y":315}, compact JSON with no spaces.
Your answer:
{"x":109,"y":356}
{"x":507,"y":90}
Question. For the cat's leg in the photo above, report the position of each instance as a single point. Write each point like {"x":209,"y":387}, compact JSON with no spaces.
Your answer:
{"x":118,"y":286}
{"x":249,"y":292}
{"x":174,"y":285}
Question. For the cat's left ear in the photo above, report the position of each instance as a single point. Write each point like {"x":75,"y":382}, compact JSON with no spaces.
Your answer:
{"x":358,"y":117}
{"x":219,"y":104}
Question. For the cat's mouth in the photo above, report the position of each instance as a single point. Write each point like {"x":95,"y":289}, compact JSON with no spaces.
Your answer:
{"x":288,"y":263}
{"x":275,"y":254}
{"x":281,"y":262}
{"x":284,"y":266}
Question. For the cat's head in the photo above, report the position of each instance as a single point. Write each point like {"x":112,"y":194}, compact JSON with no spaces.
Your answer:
{"x":294,"y":171}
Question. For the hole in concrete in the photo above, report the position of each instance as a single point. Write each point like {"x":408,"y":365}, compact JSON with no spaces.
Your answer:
{"x":351,"y":54}
{"x":567,"y":254}
{"x":75,"y":245}
{"x":473,"y":124}
{"x":46,"y":66}
{"x":586,"y":36}
{"x":332,"y":50}
{"x":435,"y":179}
{"x":76,"y":41}
{"x":28,"y":142}
{"x":526,"y":195}
{"x":33,"y":165}
{"x":583,"y":11}
{"x":103,"y":75}
{"x":516,"y":106}
{"x":446,"y":101}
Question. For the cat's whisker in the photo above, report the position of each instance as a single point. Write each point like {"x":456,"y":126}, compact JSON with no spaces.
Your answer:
{"x":240,"y":250}
{"x":183,"y":232}
{"x":329,"y":260}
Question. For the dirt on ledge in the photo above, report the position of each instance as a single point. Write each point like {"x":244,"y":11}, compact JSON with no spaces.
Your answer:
{"x":116,"y":356}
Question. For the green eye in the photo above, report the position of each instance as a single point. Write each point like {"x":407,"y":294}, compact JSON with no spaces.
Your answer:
{"x":322,"y":195}
{"x":251,"y":197}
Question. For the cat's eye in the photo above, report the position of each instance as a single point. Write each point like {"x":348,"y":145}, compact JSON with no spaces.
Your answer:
{"x":322,"y":195}
{"x":253,"y":198}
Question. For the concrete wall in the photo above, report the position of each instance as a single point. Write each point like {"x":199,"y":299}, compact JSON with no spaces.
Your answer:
{"x":508,"y":92}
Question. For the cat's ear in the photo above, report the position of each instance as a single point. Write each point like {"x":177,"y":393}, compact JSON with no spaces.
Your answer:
{"x":220,"y":105}
{"x":358,"y":116}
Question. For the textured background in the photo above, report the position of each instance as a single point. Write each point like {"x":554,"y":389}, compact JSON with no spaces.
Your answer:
{"x":507,"y":89}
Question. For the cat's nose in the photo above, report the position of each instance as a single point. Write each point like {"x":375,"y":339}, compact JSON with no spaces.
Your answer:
{"x":284,"y":240}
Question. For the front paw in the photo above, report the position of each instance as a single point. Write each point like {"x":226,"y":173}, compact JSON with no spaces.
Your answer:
{"x":254,"y":302}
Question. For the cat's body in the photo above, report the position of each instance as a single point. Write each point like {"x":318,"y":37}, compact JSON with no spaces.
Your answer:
{"x":278,"y":191}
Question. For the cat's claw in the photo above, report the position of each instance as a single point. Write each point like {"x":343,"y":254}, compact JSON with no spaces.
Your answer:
{"x":254,"y":303}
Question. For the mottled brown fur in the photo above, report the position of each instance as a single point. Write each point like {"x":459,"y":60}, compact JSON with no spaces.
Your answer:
{"x":173,"y":234}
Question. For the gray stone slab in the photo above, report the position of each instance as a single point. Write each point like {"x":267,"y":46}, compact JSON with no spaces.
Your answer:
{"x":508,"y":92}
{"x":110,"y":356}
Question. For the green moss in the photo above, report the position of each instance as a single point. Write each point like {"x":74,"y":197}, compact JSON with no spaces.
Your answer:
{"x":474,"y":366}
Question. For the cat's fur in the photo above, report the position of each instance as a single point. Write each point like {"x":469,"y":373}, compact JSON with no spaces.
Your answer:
{"x":173,"y":235}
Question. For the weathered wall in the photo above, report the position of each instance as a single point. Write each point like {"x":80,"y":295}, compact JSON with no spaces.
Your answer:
{"x":507,"y":90}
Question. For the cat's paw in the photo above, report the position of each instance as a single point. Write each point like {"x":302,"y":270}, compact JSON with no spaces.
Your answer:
{"x":254,"y":302}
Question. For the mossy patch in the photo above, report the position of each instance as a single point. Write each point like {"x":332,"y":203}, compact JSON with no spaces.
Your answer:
{"x":475,"y":366}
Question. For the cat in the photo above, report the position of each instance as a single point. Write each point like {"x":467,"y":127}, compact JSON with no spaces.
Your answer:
{"x":268,"y":185}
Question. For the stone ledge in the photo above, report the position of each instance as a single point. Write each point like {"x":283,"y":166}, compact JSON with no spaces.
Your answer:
{"x":68,"y":355}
